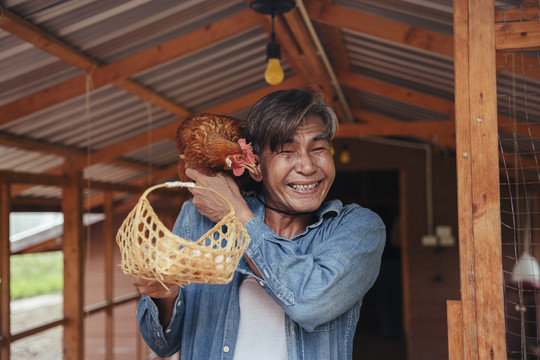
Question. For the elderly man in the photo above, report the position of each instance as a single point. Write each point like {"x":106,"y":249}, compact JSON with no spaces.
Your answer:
{"x":298,"y":291}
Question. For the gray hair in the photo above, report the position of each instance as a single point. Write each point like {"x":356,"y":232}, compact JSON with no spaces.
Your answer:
{"x":275,"y":117}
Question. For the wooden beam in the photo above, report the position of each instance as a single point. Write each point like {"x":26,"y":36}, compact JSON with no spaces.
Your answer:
{"x":80,"y":156}
{"x":73,"y":249}
{"x":109,"y":240}
{"x":336,"y":45}
{"x":524,"y":12}
{"x":22,"y":142}
{"x":398,"y":93}
{"x":169,"y":131}
{"x":131,"y":65}
{"x":518,"y":35}
{"x":5,"y":253}
{"x":35,"y":35}
{"x":478,"y":181}
{"x":343,"y":17}
{"x":35,"y":179}
{"x":455,"y":330}
{"x":314,"y":69}
{"x":246,"y":101}
{"x":396,"y":128}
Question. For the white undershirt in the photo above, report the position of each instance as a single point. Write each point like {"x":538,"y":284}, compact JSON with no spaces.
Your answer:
{"x":261,"y":332}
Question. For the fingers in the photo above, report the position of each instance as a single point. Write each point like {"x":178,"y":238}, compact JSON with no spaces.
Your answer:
{"x":155,"y":289}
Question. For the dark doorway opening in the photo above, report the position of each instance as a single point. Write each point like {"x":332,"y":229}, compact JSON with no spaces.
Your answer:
{"x":379,"y":334}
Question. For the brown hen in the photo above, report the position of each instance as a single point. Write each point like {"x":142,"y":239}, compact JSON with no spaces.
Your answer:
{"x":212,"y":143}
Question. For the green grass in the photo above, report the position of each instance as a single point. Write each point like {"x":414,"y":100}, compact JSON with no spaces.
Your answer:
{"x":36,"y":274}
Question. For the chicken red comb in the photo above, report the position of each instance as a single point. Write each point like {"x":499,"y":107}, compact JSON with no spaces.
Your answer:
{"x":246,"y":148}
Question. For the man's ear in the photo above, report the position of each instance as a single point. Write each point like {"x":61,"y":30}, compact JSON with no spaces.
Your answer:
{"x":257,"y":174}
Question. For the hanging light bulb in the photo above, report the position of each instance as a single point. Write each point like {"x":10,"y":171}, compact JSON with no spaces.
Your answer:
{"x":526,"y":271}
{"x":273,"y":73}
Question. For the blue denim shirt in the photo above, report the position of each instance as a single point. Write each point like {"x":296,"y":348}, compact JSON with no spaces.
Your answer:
{"x":318,"y":277}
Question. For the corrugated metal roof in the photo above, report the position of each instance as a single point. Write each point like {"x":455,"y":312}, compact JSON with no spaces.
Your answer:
{"x":222,"y":72}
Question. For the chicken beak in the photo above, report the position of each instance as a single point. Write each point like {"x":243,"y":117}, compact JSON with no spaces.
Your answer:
{"x":251,"y":167}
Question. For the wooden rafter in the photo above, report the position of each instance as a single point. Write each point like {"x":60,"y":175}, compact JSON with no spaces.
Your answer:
{"x":343,"y":17}
{"x":121,"y":70}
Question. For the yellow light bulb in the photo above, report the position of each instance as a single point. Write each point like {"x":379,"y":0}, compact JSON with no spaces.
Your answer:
{"x":273,"y":73}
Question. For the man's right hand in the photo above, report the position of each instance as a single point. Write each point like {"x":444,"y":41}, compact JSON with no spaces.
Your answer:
{"x":155,"y":289}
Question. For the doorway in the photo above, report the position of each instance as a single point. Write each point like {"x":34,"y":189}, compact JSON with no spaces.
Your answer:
{"x":379,"y":334}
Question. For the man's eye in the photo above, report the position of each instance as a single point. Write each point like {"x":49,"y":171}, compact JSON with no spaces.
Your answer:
{"x":285,"y":151}
{"x":320,"y":149}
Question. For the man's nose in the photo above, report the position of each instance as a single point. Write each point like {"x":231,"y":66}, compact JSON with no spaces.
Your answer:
{"x":305,"y":163}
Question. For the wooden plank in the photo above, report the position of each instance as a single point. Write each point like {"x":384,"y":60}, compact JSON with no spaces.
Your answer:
{"x":478,"y":181}
{"x":518,"y":35}
{"x":402,"y":33}
{"x":109,"y":239}
{"x":524,"y":12}
{"x":455,"y":330}
{"x":73,"y":248}
{"x":5,"y":298}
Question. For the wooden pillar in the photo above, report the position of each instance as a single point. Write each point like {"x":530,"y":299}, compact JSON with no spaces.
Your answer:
{"x":73,"y":248}
{"x":481,"y":277}
{"x":5,"y":253}
{"x":108,"y":231}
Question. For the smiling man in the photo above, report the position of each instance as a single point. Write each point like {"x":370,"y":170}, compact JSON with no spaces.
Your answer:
{"x":298,"y":291}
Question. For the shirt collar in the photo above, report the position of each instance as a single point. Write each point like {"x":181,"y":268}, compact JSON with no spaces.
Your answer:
{"x":328,"y":208}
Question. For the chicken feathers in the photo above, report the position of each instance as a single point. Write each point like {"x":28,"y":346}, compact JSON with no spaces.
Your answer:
{"x":212,"y":143}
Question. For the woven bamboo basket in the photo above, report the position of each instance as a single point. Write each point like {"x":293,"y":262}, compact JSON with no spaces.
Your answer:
{"x":150,"y":251}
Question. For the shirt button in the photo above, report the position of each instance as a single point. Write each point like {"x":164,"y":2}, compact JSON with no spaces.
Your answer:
{"x":179,"y":303}
{"x":261,"y":283}
{"x":226,"y":349}
{"x":168,"y":331}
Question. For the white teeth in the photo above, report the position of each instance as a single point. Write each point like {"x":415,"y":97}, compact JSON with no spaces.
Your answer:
{"x":304,"y":187}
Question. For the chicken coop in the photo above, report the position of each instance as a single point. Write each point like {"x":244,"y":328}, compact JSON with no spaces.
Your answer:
{"x":439,"y":108}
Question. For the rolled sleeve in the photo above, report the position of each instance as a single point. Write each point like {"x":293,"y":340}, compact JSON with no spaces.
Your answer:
{"x":164,"y":342}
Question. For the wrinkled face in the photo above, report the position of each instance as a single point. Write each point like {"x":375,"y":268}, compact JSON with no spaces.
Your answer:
{"x":297,"y":177}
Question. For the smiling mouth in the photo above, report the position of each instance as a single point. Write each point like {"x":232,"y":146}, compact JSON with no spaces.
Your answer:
{"x":305,"y":187}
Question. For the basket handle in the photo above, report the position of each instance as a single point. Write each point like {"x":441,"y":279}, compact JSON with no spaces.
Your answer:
{"x":173,"y":184}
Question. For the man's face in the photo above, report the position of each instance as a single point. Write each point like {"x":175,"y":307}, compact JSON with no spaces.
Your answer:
{"x":298,"y":176}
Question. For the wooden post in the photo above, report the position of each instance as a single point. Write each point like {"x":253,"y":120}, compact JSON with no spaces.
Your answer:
{"x":481,"y":274}
{"x":5,"y":253}
{"x":455,"y":333}
{"x":108,"y":236}
{"x":73,"y":247}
